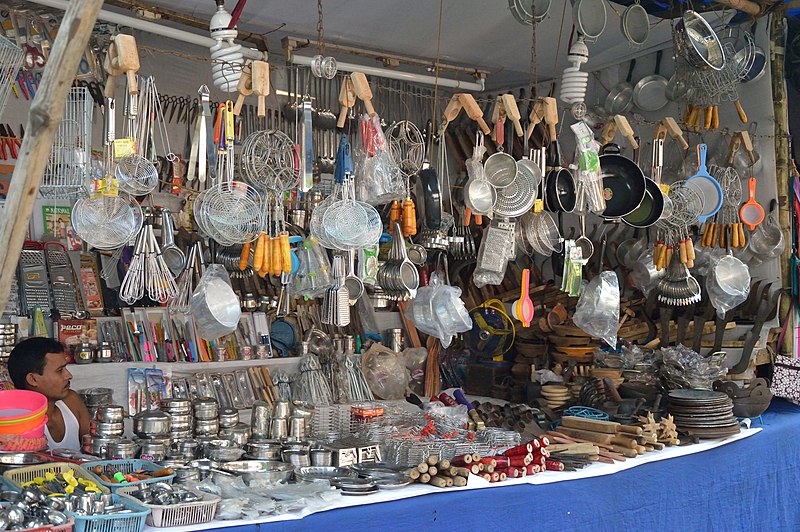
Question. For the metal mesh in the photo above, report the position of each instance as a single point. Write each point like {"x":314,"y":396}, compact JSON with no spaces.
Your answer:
{"x":67,"y":171}
{"x":11,"y":57}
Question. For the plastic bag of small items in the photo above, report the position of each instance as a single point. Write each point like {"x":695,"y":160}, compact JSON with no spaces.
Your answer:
{"x":597,"y":312}
{"x":385,"y":372}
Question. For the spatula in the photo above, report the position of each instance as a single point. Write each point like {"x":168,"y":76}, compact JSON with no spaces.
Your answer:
{"x":260,"y":83}
{"x":363,"y":91}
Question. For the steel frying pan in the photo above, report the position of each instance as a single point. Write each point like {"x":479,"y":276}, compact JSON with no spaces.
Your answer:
{"x":620,"y":99}
{"x":650,"y":93}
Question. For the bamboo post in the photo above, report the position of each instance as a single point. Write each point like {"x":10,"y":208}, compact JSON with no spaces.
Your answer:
{"x":777,"y":39}
{"x":46,"y":112}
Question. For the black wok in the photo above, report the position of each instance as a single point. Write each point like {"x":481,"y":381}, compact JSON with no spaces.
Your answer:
{"x":623,"y":183}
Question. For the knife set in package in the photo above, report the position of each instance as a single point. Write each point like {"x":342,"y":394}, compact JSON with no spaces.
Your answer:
{"x":146,"y":388}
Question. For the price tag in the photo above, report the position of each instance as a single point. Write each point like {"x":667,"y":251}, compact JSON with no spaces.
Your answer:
{"x":538,"y":206}
{"x":124,"y":147}
{"x":109,"y":186}
{"x":664,"y":188}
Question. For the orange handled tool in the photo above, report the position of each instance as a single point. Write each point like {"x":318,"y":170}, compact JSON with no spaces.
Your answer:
{"x":245,"y":257}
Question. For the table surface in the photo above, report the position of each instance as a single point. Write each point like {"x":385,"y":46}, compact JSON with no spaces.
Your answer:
{"x":751,"y":484}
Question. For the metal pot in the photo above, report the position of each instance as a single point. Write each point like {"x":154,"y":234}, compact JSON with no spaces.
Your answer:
{"x":206,"y":408}
{"x":321,"y":457}
{"x":96,"y":445}
{"x":109,"y":413}
{"x":110,"y":430}
{"x":151,"y":423}
{"x":650,"y":209}
{"x":238,"y":434}
{"x":264,"y":450}
{"x":121,"y":450}
{"x":152,"y":450}
{"x":259,"y":419}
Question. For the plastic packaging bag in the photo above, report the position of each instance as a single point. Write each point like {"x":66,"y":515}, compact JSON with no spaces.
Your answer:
{"x":597,"y":313}
{"x":728,"y":294}
{"x":214,"y":305}
{"x":385,"y":372}
{"x":438,"y":311}
{"x":379,"y":179}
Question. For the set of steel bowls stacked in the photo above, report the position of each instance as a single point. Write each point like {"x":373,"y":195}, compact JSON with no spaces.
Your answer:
{"x":106,"y":431}
{"x":8,"y":339}
{"x":180,"y":412}
{"x":230,"y":428}
{"x":206,"y":417}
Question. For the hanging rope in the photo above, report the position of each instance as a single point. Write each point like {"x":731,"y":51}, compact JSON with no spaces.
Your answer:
{"x":436,"y":80}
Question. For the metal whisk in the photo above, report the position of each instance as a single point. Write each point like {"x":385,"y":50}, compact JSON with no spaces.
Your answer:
{"x":147,"y":272}
{"x":186,"y":281}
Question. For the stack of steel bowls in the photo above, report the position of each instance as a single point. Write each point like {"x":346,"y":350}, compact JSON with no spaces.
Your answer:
{"x":238,"y":434}
{"x":180,"y":410}
{"x":228,"y":417}
{"x":263,"y":450}
{"x":206,"y":420}
{"x":105,"y":428}
{"x":296,"y":453}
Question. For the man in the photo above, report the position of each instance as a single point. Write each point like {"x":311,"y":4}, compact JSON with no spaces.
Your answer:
{"x":40,"y":365}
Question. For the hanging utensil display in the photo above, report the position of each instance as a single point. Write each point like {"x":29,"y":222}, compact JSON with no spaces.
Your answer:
{"x":635,"y":24}
{"x":147,"y":274}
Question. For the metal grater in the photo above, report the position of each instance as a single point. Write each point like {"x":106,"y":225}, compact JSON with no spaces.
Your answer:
{"x":497,"y":241}
{"x":62,"y":282}
{"x":34,"y":282}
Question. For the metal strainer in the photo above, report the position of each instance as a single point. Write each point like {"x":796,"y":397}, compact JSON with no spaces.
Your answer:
{"x":516,"y":198}
{"x":107,"y":222}
{"x":267,"y":161}
{"x":231,"y":213}
{"x":136,"y":175}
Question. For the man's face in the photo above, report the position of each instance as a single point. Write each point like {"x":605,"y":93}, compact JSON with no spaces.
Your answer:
{"x":54,"y":380}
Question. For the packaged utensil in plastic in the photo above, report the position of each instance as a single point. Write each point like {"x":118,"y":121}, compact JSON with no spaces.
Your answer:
{"x":590,"y":178}
{"x":438,"y":311}
{"x":597,"y":312}
{"x":496,"y":247}
{"x":379,"y":179}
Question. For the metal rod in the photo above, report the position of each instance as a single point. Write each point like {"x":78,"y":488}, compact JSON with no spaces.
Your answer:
{"x":476,"y":86}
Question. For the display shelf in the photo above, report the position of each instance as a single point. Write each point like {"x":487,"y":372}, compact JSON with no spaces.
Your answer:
{"x":114,"y":375}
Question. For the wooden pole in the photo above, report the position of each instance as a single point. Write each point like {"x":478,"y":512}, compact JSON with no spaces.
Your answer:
{"x":777,"y":38}
{"x":46,"y":112}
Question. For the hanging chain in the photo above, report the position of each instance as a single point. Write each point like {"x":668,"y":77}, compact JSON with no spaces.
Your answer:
{"x":320,"y":30}
{"x":533,"y":79}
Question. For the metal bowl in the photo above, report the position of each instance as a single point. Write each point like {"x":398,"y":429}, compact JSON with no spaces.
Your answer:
{"x":10,"y":461}
{"x":223,"y":451}
{"x":312,"y":473}
{"x":260,"y":470}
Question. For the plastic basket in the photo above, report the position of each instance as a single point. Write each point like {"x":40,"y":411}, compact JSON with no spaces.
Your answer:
{"x":17,"y":477}
{"x":131,"y":522}
{"x":128,"y":466}
{"x":185,"y":514}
